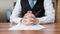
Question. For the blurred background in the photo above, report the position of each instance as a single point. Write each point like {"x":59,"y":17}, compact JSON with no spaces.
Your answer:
{"x":6,"y":7}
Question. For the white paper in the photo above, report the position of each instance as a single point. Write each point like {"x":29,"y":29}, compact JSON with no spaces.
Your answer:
{"x":25,"y":27}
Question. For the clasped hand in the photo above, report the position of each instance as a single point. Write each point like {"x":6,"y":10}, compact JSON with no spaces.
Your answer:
{"x":29,"y":19}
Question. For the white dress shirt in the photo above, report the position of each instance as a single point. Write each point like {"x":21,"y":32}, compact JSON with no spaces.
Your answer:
{"x":49,"y":12}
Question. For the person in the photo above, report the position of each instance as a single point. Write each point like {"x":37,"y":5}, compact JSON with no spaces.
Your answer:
{"x":42,"y":9}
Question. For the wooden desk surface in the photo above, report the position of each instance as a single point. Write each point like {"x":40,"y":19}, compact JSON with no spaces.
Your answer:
{"x":50,"y":29}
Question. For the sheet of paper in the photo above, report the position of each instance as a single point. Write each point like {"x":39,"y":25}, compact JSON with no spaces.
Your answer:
{"x":25,"y":27}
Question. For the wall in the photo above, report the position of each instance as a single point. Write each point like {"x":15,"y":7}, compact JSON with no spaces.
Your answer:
{"x":58,"y":12}
{"x":4,"y":4}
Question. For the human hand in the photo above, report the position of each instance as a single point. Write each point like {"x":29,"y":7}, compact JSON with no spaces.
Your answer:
{"x":29,"y":19}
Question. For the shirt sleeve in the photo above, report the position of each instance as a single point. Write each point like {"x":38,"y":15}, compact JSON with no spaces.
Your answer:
{"x":15,"y":13}
{"x":49,"y":13}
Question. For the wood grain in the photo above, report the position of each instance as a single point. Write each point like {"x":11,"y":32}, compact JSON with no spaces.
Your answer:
{"x":50,"y":29}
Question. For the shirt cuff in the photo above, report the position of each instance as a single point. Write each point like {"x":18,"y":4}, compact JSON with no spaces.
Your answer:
{"x":15,"y":19}
{"x":44,"y":20}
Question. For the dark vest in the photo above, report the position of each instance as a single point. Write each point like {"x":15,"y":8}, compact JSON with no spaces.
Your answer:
{"x":37,"y":10}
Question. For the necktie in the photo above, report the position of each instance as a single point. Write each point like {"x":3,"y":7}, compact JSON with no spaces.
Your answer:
{"x":31,"y":2}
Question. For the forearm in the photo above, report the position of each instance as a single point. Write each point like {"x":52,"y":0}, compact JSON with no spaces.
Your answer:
{"x":46,"y":19}
{"x":15,"y":19}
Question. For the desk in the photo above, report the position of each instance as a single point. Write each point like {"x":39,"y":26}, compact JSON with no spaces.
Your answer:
{"x":50,"y":29}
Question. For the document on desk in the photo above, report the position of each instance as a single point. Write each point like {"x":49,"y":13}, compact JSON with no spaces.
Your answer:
{"x":25,"y":27}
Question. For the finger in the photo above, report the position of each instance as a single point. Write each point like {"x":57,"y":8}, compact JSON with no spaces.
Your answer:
{"x":29,"y":12}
